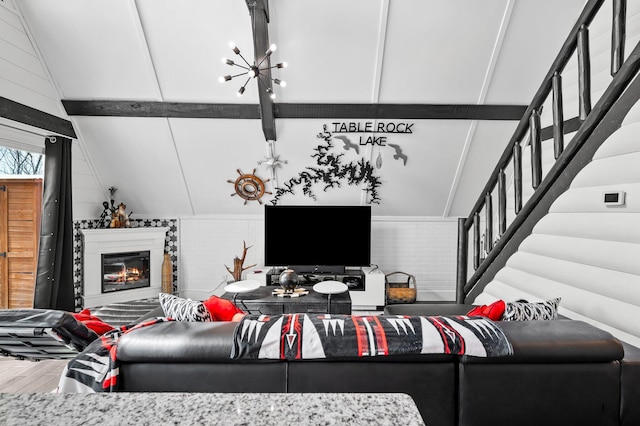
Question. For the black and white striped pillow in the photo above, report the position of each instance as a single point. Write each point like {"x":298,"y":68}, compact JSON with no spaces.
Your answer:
{"x":183,"y":309}
{"x":525,"y":311}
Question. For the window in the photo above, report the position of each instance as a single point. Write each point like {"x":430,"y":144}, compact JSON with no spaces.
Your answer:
{"x":17,"y":162}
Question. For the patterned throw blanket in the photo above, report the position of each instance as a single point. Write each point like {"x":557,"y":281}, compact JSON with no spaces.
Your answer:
{"x":309,"y":336}
{"x":314,"y":336}
{"x":95,"y":369}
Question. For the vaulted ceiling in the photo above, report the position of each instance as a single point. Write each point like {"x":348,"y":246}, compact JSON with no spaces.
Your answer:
{"x":171,"y":136}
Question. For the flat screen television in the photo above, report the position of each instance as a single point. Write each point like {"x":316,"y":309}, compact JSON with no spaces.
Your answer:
{"x":317,"y":239}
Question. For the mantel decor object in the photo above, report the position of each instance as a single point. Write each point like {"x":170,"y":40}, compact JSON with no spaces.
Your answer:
{"x":167,"y":274}
{"x":114,"y":216}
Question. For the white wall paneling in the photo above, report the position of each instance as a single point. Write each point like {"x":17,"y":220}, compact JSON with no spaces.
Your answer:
{"x":423,"y":247}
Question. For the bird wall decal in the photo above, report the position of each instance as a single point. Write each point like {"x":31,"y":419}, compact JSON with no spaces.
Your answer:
{"x":398,"y":154}
{"x":348,"y":144}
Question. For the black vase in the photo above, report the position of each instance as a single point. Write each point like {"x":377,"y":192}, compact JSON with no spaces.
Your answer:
{"x":288,"y":280}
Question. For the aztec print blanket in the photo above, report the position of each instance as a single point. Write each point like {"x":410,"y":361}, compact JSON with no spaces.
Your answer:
{"x":313,"y":336}
{"x":95,"y":369}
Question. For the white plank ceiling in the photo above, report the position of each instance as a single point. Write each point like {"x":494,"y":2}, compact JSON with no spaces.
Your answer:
{"x":338,"y":51}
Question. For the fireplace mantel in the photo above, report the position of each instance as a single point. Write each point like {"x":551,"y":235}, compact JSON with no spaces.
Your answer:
{"x":101,"y":241}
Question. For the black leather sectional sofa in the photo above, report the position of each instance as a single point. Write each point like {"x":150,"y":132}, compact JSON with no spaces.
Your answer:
{"x":562,"y":372}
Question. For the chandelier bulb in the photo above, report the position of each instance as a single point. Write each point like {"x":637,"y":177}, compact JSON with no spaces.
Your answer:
{"x":241,"y":91}
{"x":233,"y":47}
{"x":271,"y":49}
{"x":271,"y":93}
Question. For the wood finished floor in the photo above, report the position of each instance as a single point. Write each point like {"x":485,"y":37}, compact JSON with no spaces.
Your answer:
{"x":29,"y":376}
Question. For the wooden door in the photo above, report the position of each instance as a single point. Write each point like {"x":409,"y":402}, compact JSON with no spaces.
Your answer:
{"x":20,"y":207}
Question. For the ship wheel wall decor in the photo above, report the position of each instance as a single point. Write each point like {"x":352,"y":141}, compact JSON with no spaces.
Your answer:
{"x":249,"y":186}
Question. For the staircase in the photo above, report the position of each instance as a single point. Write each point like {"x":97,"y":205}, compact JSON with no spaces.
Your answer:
{"x":541,"y":229}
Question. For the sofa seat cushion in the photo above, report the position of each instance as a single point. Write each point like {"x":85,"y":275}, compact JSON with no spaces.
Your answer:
{"x":533,"y":394}
{"x":557,"y":341}
{"x":428,"y":309}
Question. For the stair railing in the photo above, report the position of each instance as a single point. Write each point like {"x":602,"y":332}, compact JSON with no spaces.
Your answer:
{"x":488,"y":243}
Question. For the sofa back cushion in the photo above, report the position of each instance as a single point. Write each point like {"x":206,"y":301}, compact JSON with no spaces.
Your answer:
{"x":559,"y":341}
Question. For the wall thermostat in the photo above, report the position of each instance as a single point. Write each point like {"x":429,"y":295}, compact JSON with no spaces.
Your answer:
{"x":613,"y":198}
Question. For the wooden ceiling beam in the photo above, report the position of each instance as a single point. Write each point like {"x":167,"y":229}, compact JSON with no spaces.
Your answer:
{"x":294,"y":110}
{"x":401,"y":111}
{"x":259,"y":11}
{"x":160,"y":109}
{"x":24,"y":114}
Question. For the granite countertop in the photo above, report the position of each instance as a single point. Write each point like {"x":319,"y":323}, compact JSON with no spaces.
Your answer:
{"x":209,"y":408}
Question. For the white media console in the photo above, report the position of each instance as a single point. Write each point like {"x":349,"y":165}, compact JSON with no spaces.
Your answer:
{"x":371,"y":297}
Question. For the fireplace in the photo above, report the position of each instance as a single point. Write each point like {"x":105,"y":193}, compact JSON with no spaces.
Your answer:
{"x":125,"y":271}
{"x":122,"y":264}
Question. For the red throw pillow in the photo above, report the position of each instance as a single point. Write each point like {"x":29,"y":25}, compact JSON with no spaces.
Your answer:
{"x":222,"y":309}
{"x":493,"y":311}
{"x":92,"y":322}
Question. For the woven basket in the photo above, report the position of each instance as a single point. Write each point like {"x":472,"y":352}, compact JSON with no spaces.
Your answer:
{"x":400,"y":292}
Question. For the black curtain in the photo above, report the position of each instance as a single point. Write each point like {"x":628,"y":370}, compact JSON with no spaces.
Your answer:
{"x":54,"y":282}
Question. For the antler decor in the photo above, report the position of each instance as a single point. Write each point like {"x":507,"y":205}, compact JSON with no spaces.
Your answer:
{"x":237,"y":264}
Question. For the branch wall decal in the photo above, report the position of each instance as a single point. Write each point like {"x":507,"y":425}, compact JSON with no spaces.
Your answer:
{"x":331,"y":172}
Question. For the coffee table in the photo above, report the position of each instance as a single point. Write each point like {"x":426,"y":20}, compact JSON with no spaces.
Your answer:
{"x":261,"y":301}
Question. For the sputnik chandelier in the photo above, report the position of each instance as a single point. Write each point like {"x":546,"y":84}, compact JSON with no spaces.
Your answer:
{"x":254,"y":70}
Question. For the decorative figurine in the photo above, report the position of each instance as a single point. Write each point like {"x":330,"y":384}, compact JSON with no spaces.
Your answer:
{"x":112,"y":216}
{"x":105,"y":217}
{"x":120,"y":218}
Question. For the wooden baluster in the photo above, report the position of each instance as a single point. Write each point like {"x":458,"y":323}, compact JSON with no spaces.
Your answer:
{"x":536,"y":148}
{"x":618,"y":30}
{"x":558,"y":116}
{"x":463,"y":251}
{"x":476,"y":240}
{"x":584,"y":73}
{"x":488,"y":211}
{"x":517,"y":176}
{"x":502,"y":202}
